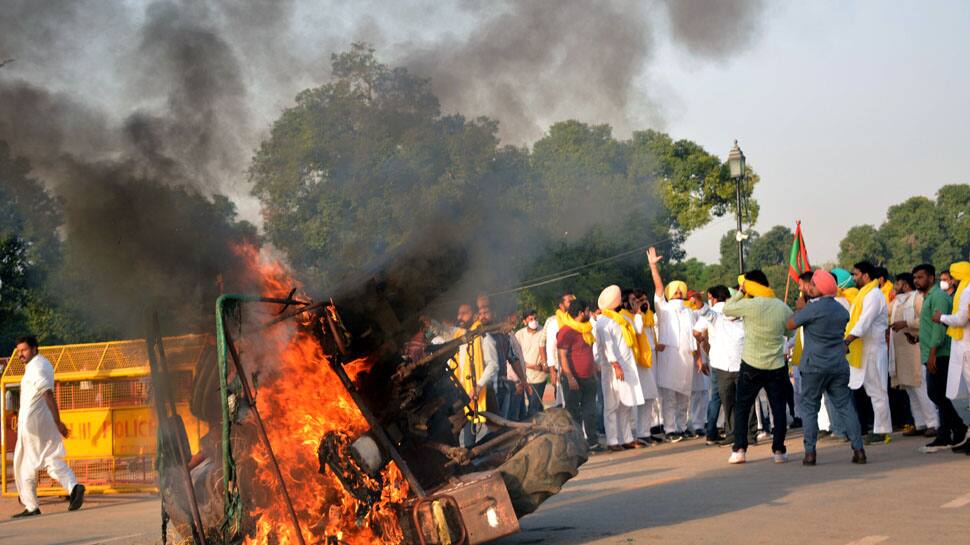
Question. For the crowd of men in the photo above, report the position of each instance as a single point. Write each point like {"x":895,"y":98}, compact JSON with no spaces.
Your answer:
{"x":734,"y":365}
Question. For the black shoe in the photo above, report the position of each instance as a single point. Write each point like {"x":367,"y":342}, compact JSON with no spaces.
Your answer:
{"x":795,"y":424}
{"x":26,"y":513}
{"x":960,"y":439}
{"x":809,"y":459}
{"x":726,"y":442}
{"x":712,"y":441}
{"x":77,"y":497}
{"x":699,"y":433}
{"x":859,"y":456}
{"x":675,"y":437}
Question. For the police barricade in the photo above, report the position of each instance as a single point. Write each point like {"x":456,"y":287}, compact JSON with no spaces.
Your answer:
{"x":103,"y":391}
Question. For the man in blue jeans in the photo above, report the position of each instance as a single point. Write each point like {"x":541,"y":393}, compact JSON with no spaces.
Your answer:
{"x":823,"y":365}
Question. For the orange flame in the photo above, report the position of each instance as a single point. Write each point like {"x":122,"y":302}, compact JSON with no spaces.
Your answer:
{"x":300,"y":401}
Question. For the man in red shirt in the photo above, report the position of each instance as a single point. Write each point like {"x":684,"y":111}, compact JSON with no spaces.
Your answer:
{"x":578,"y":374}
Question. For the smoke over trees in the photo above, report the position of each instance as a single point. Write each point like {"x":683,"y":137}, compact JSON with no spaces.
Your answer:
{"x":129,"y":122}
{"x":366,"y":164}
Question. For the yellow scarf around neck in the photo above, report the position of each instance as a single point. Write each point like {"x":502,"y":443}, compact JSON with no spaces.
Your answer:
{"x":644,"y":353}
{"x":463,"y":372}
{"x":855,"y":312}
{"x":628,"y":329}
{"x":850,"y":294}
{"x":755,"y":289}
{"x":959,"y":271}
{"x":584,"y":328}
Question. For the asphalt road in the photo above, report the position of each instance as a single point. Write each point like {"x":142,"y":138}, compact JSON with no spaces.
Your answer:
{"x":684,"y":493}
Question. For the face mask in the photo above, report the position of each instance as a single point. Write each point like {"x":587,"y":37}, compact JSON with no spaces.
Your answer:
{"x":533,"y":325}
{"x":944,"y":285}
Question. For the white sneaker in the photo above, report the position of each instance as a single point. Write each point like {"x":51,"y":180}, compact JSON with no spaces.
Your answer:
{"x":762,"y":435}
{"x":737,"y":457}
{"x":780,"y":457}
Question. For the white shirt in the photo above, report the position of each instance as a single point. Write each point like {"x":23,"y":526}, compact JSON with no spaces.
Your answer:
{"x":37,"y":380}
{"x":726,"y":336}
{"x":675,"y":323}
{"x":552,"y":329}
{"x":613,"y":348}
{"x":873,"y":321}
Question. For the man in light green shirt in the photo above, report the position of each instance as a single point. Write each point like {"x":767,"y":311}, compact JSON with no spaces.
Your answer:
{"x":762,"y":359}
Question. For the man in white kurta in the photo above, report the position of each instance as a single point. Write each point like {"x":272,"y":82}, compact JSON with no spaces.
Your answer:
{"x":676,"y":348}
{"x":871,"y":327}
{"x":958,"y":328}
{"x":906,"y":369}
{"x":700,"y":391}
{"x":39,"y":432}
{"x":647,"y":415}
{"x":621,"y":390}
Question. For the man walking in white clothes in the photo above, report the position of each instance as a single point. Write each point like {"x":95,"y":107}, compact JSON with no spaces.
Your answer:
{"x":677,"y":349}
{"x":40,"y":432}
{"x":868,"y":351}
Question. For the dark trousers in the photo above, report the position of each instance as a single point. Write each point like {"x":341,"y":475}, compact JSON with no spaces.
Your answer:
{"x":727,"y":386}
{"x":750,"y":382}
{"x":863,"y":409}
{"x":581,"y":405}
{"x":836,"y":387}
{"x":951,"y":425}
{"x":511,"y":404}
{"x":540,"y":388}
{"x":713,"y":409}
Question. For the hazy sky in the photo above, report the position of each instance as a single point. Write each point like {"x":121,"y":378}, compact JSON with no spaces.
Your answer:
{"x":843,"y":108}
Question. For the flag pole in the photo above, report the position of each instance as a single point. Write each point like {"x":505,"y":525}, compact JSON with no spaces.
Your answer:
{"x":798,"y":226}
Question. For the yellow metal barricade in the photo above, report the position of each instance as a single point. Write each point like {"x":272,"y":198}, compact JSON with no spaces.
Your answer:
{"x":103,"y":391}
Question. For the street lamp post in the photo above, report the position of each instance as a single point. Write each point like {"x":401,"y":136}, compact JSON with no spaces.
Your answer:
{"x":736,"y":166}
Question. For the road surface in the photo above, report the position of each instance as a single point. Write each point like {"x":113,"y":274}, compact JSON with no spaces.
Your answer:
{"x":675,"y":494}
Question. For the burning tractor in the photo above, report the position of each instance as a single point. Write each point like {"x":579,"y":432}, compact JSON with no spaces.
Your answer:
{"x":334,"y":423}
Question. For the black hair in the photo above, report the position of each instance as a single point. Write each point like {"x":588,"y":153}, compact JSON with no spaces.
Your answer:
{"x":866,"y":268}
{"x":925,"y":267}
{"x":625,"y":299}
{"x":806,"y":276}
{"x":758,"y":276}
{"x":528,"y":312}
{"x":906,"y":278}
{"x":882,"y":272}
{"x":719,"y":292}
{"x":30,"y":340}
{"x":945,"y":271}
{"x":577,"y":307}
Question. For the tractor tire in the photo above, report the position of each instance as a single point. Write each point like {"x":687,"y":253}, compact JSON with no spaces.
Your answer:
{"x":540,"y":468}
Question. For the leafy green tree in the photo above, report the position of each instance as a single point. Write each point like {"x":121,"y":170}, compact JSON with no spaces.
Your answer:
{"x":862,"y":242}
{"x":771,"y":248}
{"x":918,"y":230}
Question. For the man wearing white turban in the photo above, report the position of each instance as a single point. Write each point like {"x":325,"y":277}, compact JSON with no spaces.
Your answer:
{"x":617,"y":347}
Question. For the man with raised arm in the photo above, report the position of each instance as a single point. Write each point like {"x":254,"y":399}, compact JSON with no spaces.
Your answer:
{"x":676,"y":348}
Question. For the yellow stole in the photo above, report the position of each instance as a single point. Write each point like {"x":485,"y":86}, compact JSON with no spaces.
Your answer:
{"x":628,"y":329}
{"x":850,"y":294}
{"x":643,"y":352}
{"x":959,"y":271}
{"x":463,"y":372}
{"x":584,"y":328}
{"x":796,"y":352}
{"x":855,"y":312}
{"x":887,"y":291}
